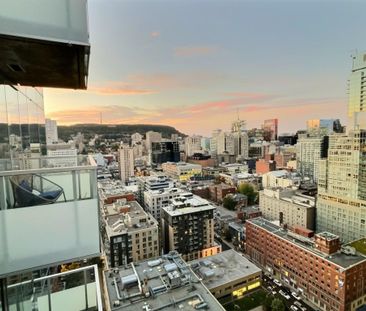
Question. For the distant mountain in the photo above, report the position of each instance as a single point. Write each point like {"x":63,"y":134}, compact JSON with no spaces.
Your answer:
{"x":114,"y":130}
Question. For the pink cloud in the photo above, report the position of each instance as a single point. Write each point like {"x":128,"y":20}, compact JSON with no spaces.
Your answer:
{"x":189,"y":51}
{"x":119,"y":88}
{"x":245,"y":95}
{"x":155,"y":34}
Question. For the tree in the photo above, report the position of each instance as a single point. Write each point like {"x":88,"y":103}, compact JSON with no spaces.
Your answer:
{"x":267,"y":303}
{"x":229,"y":203}
{"x":248,"y":190}
{"x":278,"y":305}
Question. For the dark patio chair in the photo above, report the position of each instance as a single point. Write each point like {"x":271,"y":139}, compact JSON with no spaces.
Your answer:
{"x":33,"y":189}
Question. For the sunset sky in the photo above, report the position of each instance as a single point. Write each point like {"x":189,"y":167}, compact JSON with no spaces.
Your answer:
{"x":193,"y":64}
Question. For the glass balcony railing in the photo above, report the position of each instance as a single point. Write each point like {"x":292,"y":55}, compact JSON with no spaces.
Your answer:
{"x":76,"y":176}
{"x":73,"y":290}
{"x":48,"y":213}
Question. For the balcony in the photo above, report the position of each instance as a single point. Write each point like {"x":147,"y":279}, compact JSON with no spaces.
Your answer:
{"x":77,"y":289}
{"x":44,"y":235}
{"x":44,"y":43}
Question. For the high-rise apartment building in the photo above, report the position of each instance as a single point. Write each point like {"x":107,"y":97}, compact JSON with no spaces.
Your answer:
{"x":155,"y":200}
{"x":187,"y":226}
{"x":130,"y":234}
{"x":126,"y":163}
{"x":51,"y":132}
{"x":49,"y":216}
{"x":309,"y":151}
{"x":290,"y":207}
{"x":357,"y":90}
{"x":342,"y":186}
{"x":270,"y":128}
{"x":331,"y":277}
{"x":62,"y":155}
{"x":152,"y":137}
{"x":192,"y":145}
{"x":214,"y":142}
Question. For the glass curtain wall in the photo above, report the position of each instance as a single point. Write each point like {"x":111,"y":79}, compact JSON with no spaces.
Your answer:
{"x":22,"y":123}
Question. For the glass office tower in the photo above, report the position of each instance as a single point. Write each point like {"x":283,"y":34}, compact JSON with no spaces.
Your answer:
{"x":48,"y":215}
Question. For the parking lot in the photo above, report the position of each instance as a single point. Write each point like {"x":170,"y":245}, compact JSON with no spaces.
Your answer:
{"x":278,"y":290}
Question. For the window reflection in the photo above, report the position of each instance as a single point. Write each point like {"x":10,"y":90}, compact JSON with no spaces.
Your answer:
{"x":21,"y":120}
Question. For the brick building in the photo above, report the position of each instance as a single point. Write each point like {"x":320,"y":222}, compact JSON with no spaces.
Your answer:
{"x":219,"y":192}
{"x":263,"y":166}
{"x":319,"y":269}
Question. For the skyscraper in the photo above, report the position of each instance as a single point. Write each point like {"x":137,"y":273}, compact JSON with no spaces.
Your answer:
{"x":271,"y":129}
{"x":309,"y":151}
{"x":342,"y":187}
{"x":357,"y":89}
{"x":126,"y":163}
{"x":51,"y":132}
{"x":192,"y":145}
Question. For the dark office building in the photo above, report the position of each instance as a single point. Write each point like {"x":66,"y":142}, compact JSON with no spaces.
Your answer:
{"x":166,"y":151}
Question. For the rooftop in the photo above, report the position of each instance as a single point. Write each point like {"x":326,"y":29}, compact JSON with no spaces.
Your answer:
{"x":359,"y":245}
{"x":187,"y":203}
{"x":110,"y":187}
{"x":223,"y":268}
{"x":164,"y":191}
{"x":122,"y":217}
{"x":339,"y":258}
{"x":166,"y":283}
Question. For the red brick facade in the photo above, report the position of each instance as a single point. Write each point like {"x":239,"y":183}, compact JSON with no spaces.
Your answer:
{"x":321,"y":280}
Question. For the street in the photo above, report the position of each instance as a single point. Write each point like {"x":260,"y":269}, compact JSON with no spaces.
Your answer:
{"x":268,"y":282}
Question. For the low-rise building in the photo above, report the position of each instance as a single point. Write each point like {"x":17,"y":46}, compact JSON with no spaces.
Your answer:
{"x":220,"y":191}
{"x":130,"y":234}
{"x":187,"y":225}
{"x":235,"y":179}
{"x":327,"y":275}
{"x":110,"y":190}
{"x":228,"y":274}
{"x":280,"y":178}
{"x":182,"y":171}
{"x":166,"y":283}
{"x":288,"y":206}
{"x":263,"y":166}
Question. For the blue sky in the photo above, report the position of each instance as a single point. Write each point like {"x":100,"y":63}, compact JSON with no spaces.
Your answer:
{"x":192,"y":64}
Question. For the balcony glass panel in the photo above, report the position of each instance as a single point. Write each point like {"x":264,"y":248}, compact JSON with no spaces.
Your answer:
{"x":36,"y":231}
{"x":73,"y":290}
{"x":56,"y":20}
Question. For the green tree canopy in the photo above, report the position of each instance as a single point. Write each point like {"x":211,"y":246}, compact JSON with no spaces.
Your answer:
{"x":278,"y":305}
{"x":248,"y":190}
{"x":267,"y":303}
{"x":229,"y":203}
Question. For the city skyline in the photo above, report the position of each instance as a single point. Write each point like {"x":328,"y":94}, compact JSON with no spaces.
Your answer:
{"x":196,"y":73}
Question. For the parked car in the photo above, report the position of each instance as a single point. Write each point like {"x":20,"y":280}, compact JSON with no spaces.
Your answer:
{"x":300,"y":306}
{"x":295,"y":295}
{"x":294,"y":308}
{"x":284,"y":294}
{"x":277,"y":282}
